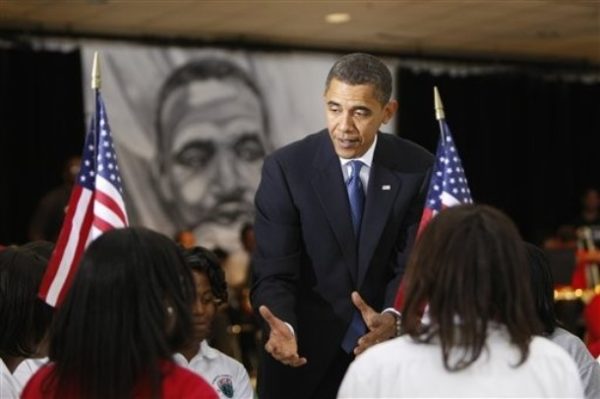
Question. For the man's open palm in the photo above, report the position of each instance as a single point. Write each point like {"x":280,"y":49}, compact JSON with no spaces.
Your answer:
{"x":282,"y":342}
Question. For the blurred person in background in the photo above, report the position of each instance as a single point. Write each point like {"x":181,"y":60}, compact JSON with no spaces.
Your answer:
{"x":542,"y":288}
{"x":48,"y":217}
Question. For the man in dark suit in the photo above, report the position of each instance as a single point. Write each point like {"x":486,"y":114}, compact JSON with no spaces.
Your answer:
{"x":336,"y":213}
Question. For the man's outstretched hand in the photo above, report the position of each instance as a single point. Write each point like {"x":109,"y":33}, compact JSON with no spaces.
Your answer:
{"x":382,"y":326}
{"x":282,"y":342}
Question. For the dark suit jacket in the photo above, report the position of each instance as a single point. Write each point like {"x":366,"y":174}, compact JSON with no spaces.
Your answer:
{"x":307,"y":261}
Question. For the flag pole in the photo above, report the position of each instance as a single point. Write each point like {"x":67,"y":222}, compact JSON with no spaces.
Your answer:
{"x":439,"y":109}
{"x":96,"y":81}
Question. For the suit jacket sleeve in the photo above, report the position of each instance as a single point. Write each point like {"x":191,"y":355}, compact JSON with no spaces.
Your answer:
{"x":276,"y":261}
{"x":406,"y":240}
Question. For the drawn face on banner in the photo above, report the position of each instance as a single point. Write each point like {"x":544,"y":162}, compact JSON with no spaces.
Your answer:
{"x":214,"y":146}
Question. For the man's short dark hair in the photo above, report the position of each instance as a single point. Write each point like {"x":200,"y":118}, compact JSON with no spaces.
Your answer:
{"x":363,"y":69}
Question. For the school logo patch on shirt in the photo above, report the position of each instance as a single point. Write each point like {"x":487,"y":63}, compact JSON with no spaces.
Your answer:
{"x":224,"y":384}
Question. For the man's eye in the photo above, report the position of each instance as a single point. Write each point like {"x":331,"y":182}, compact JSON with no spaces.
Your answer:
{"x":249,"y":148}
{"x":361,"y":113}
{"x":196,"y":154}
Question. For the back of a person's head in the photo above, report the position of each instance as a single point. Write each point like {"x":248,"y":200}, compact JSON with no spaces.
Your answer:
{"x":469,"y":266}
{"x":542,"y":287}
{"x":25,"y":318}
{"x":127,"y":310}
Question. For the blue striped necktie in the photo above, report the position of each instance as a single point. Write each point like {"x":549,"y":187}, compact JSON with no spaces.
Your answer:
{"x":356,"y":194}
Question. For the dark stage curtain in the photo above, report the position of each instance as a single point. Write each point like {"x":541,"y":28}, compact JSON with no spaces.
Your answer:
{"x":529,"y":143}
{"x":41,"y":125}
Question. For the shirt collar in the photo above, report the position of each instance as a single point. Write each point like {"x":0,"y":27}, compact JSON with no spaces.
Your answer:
{"x":366,"y":158}
{"x":207,"y":351}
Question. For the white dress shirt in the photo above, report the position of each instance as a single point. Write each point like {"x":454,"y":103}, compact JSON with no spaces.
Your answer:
{"x":366,"y":159}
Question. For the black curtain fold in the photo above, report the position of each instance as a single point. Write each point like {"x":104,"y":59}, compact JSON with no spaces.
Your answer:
{"x":41,"y":126}
{"x":529,"y":144}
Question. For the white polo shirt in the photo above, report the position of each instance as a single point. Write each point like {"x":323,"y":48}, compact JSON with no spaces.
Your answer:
{"x":226,"y":375}
{"x":9,"y":386}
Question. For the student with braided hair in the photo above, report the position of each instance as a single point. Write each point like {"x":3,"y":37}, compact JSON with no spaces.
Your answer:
{"x":480,"y":340}
{"x":227,"y":376}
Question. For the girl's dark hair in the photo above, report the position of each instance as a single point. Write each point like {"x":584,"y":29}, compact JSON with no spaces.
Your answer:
{"x":127,"y":311}
{"x":204,"y":261}
{"x":542,"y":288}
{"x":470,"y":267}
{"x":25,"y":318}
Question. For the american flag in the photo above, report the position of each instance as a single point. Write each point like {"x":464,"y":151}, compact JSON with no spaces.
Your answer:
{"x":95,"y":206}
{"x":448,"y":185}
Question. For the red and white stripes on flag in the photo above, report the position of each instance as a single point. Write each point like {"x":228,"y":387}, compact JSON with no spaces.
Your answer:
{"x":96,"y":205}
{"x":448,"y":187}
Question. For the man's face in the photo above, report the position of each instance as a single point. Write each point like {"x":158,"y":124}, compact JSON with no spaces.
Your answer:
{"x":215,"y":152}
{"x":204,"y":309}
{"x":354,"y":116}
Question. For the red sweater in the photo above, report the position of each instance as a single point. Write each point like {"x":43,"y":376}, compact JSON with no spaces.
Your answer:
{"x":177,"y":383}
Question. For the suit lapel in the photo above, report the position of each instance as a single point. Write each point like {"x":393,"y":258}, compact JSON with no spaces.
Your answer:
{"x":381,"y":192}
{"x":328,"y":183}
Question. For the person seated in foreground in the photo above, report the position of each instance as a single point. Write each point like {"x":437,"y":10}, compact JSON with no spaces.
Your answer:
{"x":227,"y":376}
{"x":469,"y":267}
{"x":25,"y":319}
{"x":542,"y":288}
{"x":126,"y":313}
{"x":42,"y":251}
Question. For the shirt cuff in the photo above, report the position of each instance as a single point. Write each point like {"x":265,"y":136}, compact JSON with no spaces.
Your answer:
{"x":291,"y":328}
{"x":392,"y":310}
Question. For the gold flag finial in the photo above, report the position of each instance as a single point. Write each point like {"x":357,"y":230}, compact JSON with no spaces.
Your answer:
{"x":439,"y":107}
{"x":96,"y":72}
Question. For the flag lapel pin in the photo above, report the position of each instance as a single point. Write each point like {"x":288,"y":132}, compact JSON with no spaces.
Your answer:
{"x":386,"y":187}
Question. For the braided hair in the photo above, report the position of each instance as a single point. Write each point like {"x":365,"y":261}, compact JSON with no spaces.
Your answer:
{"x":204,"y":261}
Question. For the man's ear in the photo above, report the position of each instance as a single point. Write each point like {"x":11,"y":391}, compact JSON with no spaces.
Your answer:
{"x":389,"y":111}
